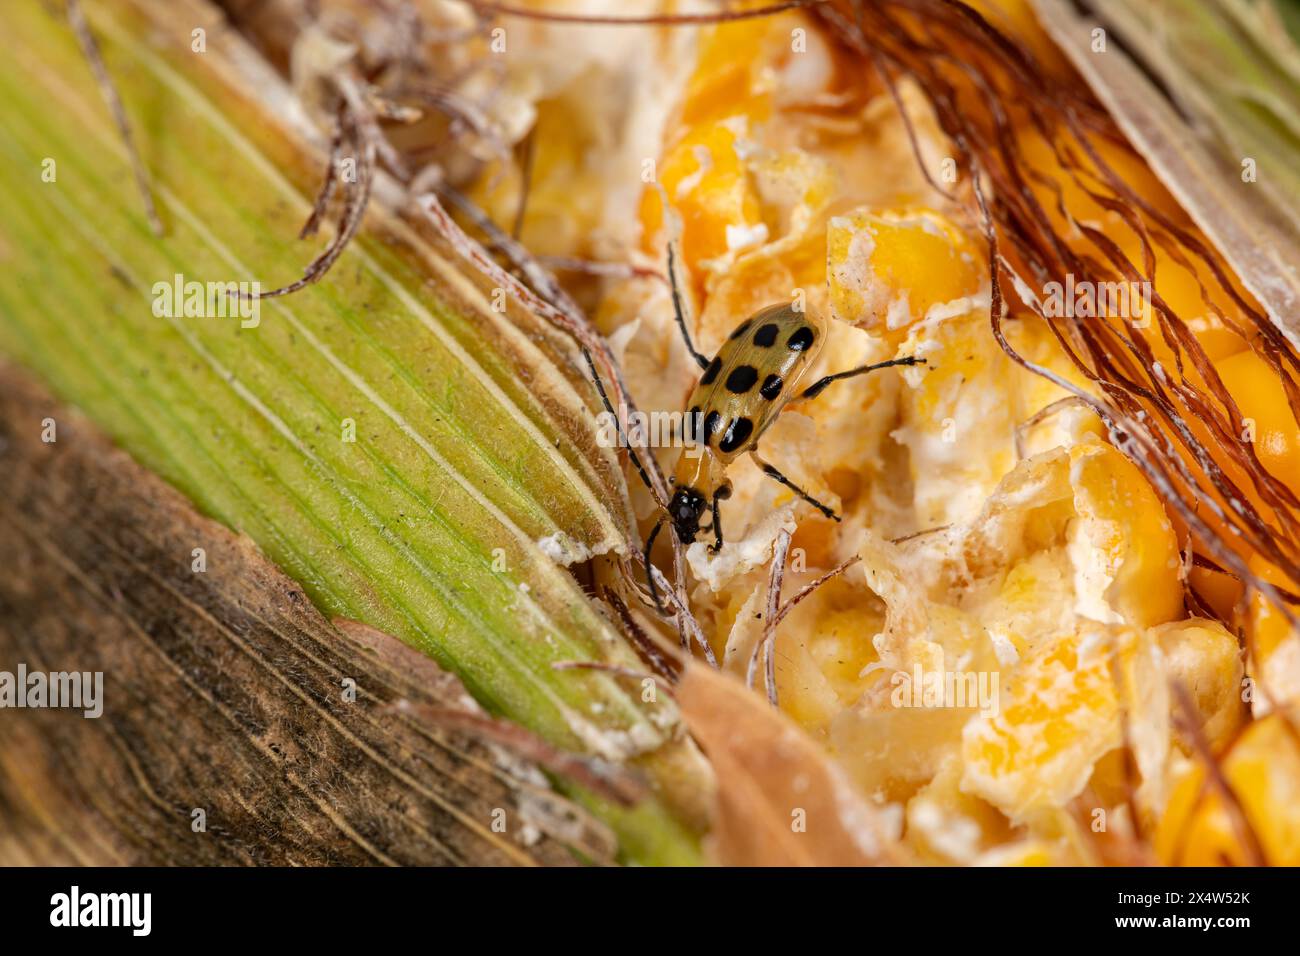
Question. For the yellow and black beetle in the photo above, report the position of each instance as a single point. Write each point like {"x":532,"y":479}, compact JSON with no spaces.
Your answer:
{"x":755,"y":374}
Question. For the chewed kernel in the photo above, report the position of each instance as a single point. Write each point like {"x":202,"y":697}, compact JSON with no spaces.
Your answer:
{"x":1126,"y":524}
{"x":1058,"y":718}
{"x":708,"y":185}
{"x":891,"y":268}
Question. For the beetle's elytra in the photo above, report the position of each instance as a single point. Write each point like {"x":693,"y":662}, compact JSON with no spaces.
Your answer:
{"x":751,"y":378}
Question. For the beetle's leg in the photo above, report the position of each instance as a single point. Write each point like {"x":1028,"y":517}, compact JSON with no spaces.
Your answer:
{"x":679,"y":311}
{"x":717,"y":523}
{"x":649,"y":568}
{"x":819,"y":386}
{"x":773,"y":473}
{"x":640,"y":469}
{"x":600,"y":387}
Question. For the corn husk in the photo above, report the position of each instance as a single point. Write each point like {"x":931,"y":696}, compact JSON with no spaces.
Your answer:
{"x":419,"y":460}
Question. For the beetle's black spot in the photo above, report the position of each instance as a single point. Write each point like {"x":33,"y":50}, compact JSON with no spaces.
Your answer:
{"x":711,"y":372}
{"x":800,"y":340}
{"x":772,"y":386}
{"x":738,"y":433}
{"x":766,"y":334}
{"x":742,"y":379}
{"x":742,"y":328}
{"x":712,"y":422}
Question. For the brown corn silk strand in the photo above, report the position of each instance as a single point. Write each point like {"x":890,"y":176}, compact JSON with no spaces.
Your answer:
{"x":807,"y":590}
{"x":604,"y":667}
{"x":617,"y":670}
{"x":616,"y":270}
{"x":1128,"y":759}
{"x":528,"y":148}
{"x":775,"y":612}
{"x":1110,"y":846}
{"x":90,"y":50}
{"x":329,"y":184}
{"x":1216,"y":780}
{"x":984,"y":89}
{"x":358,"y":131}
{"x":1200,"y":561}
{"x":462,"y":114}
{"x":1140,"y":346}
{"x":766,"y":645}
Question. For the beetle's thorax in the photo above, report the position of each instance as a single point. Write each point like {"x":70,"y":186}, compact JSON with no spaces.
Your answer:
{"x":699,"y":477}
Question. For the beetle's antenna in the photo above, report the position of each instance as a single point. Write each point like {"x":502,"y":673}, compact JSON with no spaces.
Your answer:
{"x":90,"y":49}
{"x":649,"y":568}
{"x":600,"y":387}
{"x":679,"y":311}
{"x":640,"y":469}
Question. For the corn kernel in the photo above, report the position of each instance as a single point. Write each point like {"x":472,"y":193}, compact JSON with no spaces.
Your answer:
{"x":1274,"y":645}
{"x":1204,"y":658}
{"x":891,"y":268}
{"x":1270,"y":424}
{"x":1126,"y":524}
{"x":1263,"y":771}
{"x":1059,"y":718}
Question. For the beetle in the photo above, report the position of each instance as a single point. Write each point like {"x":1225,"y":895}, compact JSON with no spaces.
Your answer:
{"x":740,"y":392}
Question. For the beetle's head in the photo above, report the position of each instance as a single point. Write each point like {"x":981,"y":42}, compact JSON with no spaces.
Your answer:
{"x":684,"y":510}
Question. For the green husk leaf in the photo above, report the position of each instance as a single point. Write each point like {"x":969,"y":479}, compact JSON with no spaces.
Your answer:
{"x":472,"y":434}
{"x":1233,"y":74}
{"x":1234,"y":69}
